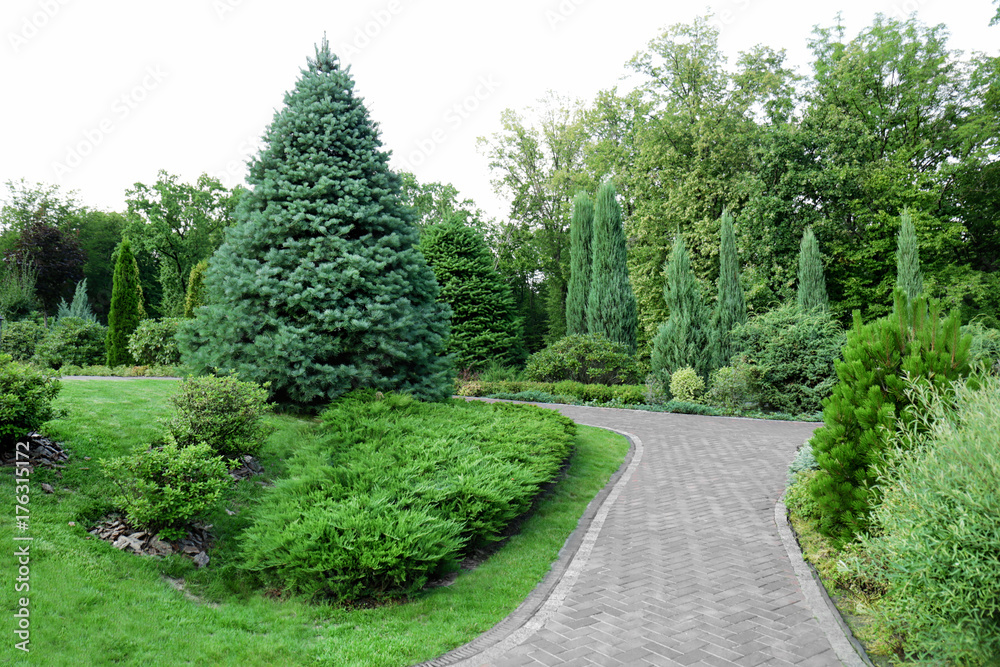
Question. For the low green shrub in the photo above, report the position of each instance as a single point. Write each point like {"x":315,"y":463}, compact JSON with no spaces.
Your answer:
{"x":26,"y":396}
{"x":657,"y":391}
{"x":395,"y":491}
{"x":19,"y":339}
{"x":163,"y":488}
{"x":985,"y":348}
{"x":531,"y":395}
{"x":686,"y":385}
{"x":123,"y":371}
{"x":71,"y":340}
{"x":804,"y":461}
{"x":222,"y":412}
{"x":154,"y":342}
{"x":585,"y":358}
{"x":731,"y":387}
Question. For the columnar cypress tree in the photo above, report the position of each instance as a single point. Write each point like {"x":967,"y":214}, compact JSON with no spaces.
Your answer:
{"x":484,"y":323}
{"x":812,"y":282}
{"x":581,"y":264}
{"x":684,"y":339}
{"x":319,"y":287}
{"x":908,"y":274}
{"x":126,"y":307}
{"x":611,"y":307}
{"x":555,"y":308}
{"x":195,"y":289}
{"x":731,"y":306}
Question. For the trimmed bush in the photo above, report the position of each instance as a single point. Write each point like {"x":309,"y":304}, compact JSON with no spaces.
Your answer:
{"x":686,"y":385}
{"x":127,"y":308}
{"x":731,"y":387}
{"x":154,"y":342}
{"x":589,"y":359}
{"x":195,"y":296}
{"x":26,"y":396}
{"x":164,"y":488}
{"x":19,"y":339}
{"x":71,"y":340}
{"x":223,"y":412}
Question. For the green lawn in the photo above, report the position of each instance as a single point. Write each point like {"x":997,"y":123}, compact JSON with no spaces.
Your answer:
{"x":93,"y":605}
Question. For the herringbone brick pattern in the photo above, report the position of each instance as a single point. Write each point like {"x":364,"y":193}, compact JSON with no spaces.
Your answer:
{"x":688,"y":568}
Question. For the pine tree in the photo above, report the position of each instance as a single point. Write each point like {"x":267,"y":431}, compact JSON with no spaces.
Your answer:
{"x":812,"y":283}
{"x":319,"y":287}
{"x":731,"y":306}
{"x":908,"y":274}
{"x":126,"y":307}
{"x":79,"y":307}
{"x":581,"y":261}
{"x":684,"y":339}
{"x":195,"y":296}
{"x":611,"y":306}
{"x":484,"y":323}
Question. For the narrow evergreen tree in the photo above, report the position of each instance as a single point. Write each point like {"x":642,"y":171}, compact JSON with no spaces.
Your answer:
{"x":126,"y":307}
{"x":812,"y":282}
{"x":555,"y":309}
{"x":319,"y":287}
{"x":611,"y":306}
{"x":484,"y":323}
{"x":684,"y":339}
{"x":195,"y":289}
{"x":908,"y":274}
{"x":581,"y":263}
{"x":731,"y":306}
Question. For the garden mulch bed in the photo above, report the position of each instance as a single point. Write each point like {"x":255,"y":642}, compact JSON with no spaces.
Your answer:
{"x":42,"y":453}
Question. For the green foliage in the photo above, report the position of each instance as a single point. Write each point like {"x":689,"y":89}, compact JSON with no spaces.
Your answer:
{"x":812,"y":283}
{"x":732,"y":387}
{"x":792,"y":353}
{"x":71,"y":340}
{"x":26,"y":396}
{"x":100,"y":233}
{"x":684,"y":339}
{"x":985,"y":349}
{"x":581,"y":264}
{"x":804,"y":462}
{"x":56,"y":258}
{"x":79,"y":307}
{"x":19,"y":339}
{"x":939,"y":534}
{"x":17,"y":288}
{"x":162,"y":489}
{"x":223,"y":412}
{"x":731,"y":307}
{"x":126,"y":307}
{"x":686,"y":385}
{"x":909,"y":278}
{"x":555,"y":309}
{"x":154,"y":342}
{"x":195,"y":296}
{"x":868,"y":399}
{"x":611,"y":305}
{"x":397,"y":490}
{"x":320,"y":288}
{"x":590,"y":358}
{"x":484,"y":325}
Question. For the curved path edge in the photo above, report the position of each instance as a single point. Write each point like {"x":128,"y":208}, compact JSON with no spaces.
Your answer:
{"x":546,"y":597}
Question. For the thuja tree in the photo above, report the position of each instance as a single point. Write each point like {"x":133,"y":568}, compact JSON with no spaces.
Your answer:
{"x":914,"y":342}
{"x":812,"y":282}
{"x":319,"y":287}
{"x":684,"y":339}
{"x":731,"y":306}
{"x":581,"y":260}
{"x":484,"y":323}
{"x":611,"y":307}
{"x":195,"y":295}
{"x":126,"y":307}
{"x":908,"y":275}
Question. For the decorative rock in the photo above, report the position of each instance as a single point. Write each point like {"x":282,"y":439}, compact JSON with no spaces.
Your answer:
{"x":201,"y":560}
{"x":72,"y":523}
{"x":47,"y":488}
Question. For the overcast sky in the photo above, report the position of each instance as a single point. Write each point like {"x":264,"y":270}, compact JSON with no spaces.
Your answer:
{"x":100,"y":94}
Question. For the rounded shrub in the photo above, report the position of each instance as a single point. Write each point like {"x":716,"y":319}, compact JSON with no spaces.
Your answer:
{"x":586,"y":358}
{"x":19,"y":339}
{"x":26,"y":396}
{"x":731,"y":387}
{"x":154,"y":342}
{"x":71,"y":341}
{"x":686,"y":385}
{"x":164,"y":488}
{"x":223,"y":412}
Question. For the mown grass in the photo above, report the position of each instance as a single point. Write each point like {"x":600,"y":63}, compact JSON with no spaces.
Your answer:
{"x":94,"y":605}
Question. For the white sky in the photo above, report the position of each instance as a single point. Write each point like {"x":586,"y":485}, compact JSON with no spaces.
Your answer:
{"x":99,"y":94}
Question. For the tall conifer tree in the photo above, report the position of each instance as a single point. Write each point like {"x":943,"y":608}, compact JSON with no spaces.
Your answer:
{"x":684,"y":339}
{"x":812,"y":282}
{"x":319,"y":287}
{"x":581,"y":264}
{"x":731,"y":306}
{"x":611,"y":307}
{"x":126,"y":307}
{"x":908,"y":274}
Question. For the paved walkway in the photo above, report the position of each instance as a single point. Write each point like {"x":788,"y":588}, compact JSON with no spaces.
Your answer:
{"x":684,"y":562}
